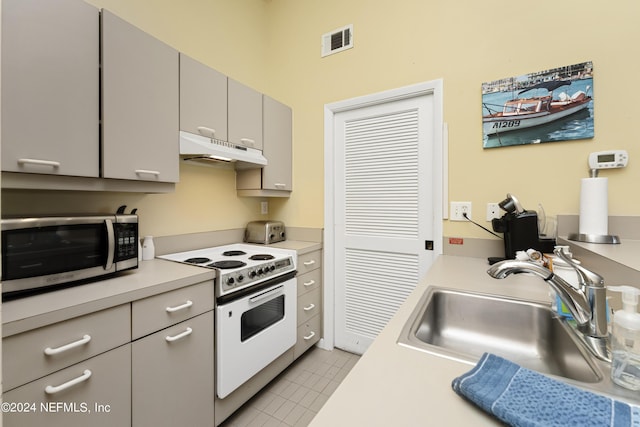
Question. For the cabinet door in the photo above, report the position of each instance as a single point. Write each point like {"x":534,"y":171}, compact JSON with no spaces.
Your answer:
{"x":277,"y":146}
{"x":203,"y":99}
{"x":95,"y":392}
{"x":173,"y":383}
{"x":159,"y":311}
{"x":309,"y":333}
{"x":309,"y":305}
{"x":38,"y":352}
{"x":245,"y":115}
{"x":139,"y":104}
{"x":50,"y":88}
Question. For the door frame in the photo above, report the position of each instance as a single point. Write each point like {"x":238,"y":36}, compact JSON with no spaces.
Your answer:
{"x":433,"y":88}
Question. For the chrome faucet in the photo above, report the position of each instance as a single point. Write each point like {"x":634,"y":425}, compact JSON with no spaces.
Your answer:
{"x":587,"y":304}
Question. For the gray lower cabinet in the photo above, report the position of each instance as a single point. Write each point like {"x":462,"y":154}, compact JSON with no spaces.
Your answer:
{"x":149,"y":362}
{"x":95,"y":392}
{"x":173,"y":382}
{"x":75,"y":372}
{"x":139,"y":104}
{"x":310,"y":303}
{"x":36,"y":353}
{"x":50,"y":88}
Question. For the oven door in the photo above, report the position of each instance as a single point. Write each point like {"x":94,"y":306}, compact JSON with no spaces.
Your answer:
{"x":251,"y":332}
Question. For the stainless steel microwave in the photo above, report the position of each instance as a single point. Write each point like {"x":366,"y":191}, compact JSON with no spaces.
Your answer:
{"x":48,"y":251}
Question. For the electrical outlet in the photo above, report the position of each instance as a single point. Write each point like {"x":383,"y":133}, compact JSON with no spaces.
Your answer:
{"x":264,"y":208}
{"x":493,"y":211}
{"x":458,"y":209}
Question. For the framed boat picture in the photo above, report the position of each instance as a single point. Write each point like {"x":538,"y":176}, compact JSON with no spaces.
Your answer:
{"x":544,"y":106}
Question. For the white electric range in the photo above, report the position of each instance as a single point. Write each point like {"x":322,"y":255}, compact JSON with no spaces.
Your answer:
{"x":256,"y":296}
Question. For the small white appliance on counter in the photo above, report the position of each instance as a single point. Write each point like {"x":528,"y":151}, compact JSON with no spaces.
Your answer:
{"x":255,"y":289}
{"x":264,"y":232}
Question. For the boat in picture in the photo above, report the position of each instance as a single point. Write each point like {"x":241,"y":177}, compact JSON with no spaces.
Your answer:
{"x":523,"y":113}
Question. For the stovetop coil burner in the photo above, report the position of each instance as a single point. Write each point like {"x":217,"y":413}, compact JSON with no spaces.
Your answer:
{"x":261,"y":257}
{"x":228,"y":264}
{"x":197,"y":260}
{"x":233,"y":253}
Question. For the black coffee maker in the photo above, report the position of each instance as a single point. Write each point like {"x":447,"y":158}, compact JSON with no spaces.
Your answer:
{"x":520,"y":228}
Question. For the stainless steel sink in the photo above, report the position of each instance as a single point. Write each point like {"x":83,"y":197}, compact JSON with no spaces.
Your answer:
{"x":463,"y":326}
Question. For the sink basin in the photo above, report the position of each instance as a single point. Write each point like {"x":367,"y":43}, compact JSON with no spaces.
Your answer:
{"x":464,"y":325}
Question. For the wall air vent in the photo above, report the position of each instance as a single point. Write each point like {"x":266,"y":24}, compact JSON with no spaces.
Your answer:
{"x":337,"y":40}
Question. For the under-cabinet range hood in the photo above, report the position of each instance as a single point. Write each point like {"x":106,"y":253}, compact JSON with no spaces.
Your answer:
{"x":199,"y":148}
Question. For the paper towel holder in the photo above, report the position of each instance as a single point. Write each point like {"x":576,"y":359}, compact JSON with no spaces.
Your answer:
{"x":602,"y":160}
{"x":594,"y":238}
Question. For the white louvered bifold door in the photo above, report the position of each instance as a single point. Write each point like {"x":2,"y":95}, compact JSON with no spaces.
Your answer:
{"x":383,"y":213}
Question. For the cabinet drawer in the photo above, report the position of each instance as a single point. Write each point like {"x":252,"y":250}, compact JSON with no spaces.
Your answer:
{"x":310,"y":261}
{"x":309,"y":305}
{"x":309,"y":333}
{"x":309,"y":281}
{"x":159,"y":311}
{"x":101,"y":396}
{"x":34,"y":354}
{"x":179,"y":361}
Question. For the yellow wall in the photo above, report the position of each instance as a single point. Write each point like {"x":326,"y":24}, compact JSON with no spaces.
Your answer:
{"x":401,"y":42}
{"x":274,"y":46}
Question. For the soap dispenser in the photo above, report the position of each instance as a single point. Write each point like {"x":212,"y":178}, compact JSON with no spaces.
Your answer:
{"x":625,"y":340}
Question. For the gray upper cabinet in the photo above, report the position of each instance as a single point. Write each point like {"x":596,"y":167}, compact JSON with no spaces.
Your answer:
{"x":245,"y":115}
{"x":277,"y":128}
{"x":139,"y":104}
{"x":203,"y":99}
{"x":275,"y":179}
{"x":50,"y":107}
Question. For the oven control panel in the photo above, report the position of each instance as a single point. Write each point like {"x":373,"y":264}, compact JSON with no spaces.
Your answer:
{"x":242,"y":277}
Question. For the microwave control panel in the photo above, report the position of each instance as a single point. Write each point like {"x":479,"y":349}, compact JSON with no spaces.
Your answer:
{"x":126,"y":235}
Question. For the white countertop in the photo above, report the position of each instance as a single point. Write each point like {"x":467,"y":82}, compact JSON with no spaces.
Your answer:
{"x":393,"y":385}
{"x":301,"y":247}
{"x":627,"y":252}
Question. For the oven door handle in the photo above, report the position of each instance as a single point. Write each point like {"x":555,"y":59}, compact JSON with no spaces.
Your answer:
{"x":266,"y":295}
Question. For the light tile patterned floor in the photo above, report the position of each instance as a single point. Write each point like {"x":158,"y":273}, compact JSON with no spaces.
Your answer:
{"x":297,"y":394}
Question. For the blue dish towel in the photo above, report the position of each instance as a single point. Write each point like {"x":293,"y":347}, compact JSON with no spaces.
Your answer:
{"x":521,"y":397}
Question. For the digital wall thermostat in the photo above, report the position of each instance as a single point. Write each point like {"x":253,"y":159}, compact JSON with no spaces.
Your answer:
{"x":609,"y":159}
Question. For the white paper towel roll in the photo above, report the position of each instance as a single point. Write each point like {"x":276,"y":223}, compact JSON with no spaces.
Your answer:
{"x":594,"y":213}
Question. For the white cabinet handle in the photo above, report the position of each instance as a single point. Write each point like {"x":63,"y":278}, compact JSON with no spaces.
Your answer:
{"x":208,"y":132}
{"x":311,"y":335}
{"x":187,"y":332}
{"x":279,"y":185}
{"x":248,"y":141}
{"x":309,"y":283}
{"x":308,"y":263}
{"x":148,"y":172}
{"x":53,"y":351}
{"x":50,"y":389}
{"x":187,"y":304}
{"x":39,"y":162}
{"x":309,"y":307}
